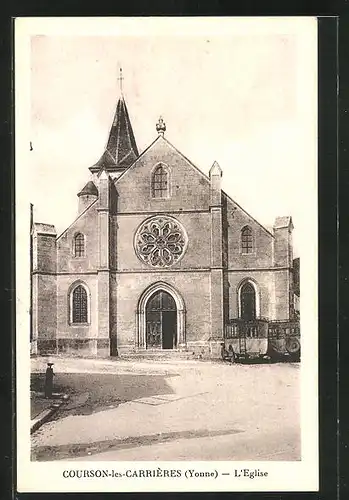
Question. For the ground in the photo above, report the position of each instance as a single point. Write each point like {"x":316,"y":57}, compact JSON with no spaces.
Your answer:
{"x":170,"y":410}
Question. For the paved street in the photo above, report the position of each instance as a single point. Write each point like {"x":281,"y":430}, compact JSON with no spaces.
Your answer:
{"x":167,"y":410}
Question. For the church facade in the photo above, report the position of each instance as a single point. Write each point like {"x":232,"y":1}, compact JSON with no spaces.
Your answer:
{"x":158,"y":258}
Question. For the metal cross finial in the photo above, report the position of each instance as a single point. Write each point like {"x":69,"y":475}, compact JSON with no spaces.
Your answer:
{"x":120,"y":78}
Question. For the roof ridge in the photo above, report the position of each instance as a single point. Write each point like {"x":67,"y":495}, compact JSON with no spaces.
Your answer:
{"x":188,"y":160}
{"x":159,"y":137}
{"x":245,"y":212}
{"x":121,"y":140}
{"x":77,"y":218}
{"x":136,"y":159}
{"x":118,"y":125}
{"x":124,"y":157}
{"x":89,"y":188}
{"x":197,"y":169}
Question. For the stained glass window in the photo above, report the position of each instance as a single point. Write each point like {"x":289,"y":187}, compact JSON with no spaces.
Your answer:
{"x":246,"y":240}
{"x":79,"y":245}
{"x":160,"y":182}
{"x":79,"y":305}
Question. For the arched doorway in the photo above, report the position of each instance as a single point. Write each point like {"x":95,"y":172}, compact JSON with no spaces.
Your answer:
{"x":161,"y":321}
{"x":248,"y":302}
{"x":160,"y":318}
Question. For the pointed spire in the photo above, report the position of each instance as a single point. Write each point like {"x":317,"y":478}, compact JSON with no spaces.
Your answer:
{"x":89,"y":189}
{"x":215,"y":170}
{"x":121,"y":150}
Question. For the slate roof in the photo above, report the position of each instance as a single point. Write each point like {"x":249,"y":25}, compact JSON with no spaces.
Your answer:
{"x":121,"y":149}
{"x":89,"y":189}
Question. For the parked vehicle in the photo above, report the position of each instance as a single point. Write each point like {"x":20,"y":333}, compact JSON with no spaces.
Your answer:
{"x":284,"y":339}
{"x":246,"y":339}
{"x":261,"y":338}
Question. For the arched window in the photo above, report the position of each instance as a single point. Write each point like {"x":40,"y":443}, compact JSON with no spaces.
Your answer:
{"x":79,"y":305}
{"x":246,"y":240}
{"x":160,"y":182}
{"x":79,"y":245}
{"x":248,"y":302}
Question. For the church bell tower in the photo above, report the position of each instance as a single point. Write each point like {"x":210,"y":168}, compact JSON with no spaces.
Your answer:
{"x":121,"y":149}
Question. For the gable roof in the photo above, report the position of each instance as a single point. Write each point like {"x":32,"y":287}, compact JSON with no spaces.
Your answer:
{"x":161,"y":137}
{"x":121,"y":149}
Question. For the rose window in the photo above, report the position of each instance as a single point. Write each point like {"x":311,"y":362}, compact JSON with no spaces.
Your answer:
{"x":160,"y":241}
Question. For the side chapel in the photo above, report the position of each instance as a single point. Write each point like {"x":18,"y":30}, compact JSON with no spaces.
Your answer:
{"x":158,"y":257}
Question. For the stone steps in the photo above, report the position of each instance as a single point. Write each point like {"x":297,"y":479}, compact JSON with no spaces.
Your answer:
{"x":170,"y":354}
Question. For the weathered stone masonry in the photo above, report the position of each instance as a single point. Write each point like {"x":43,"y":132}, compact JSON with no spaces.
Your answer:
{"x":156,"y":258}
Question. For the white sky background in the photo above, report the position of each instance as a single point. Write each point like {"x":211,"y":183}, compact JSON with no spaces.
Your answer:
{"x":240,"y":99}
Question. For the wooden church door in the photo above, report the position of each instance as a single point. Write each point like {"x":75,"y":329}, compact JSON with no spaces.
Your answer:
{"x":161,"y":321}
{"x":248,"y":302}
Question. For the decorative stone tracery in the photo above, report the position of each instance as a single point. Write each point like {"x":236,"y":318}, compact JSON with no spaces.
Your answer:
{"x":160,"y":241}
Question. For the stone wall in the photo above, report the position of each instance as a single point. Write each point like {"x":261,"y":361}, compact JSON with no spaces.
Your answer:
{"x":193,"y":287}
{"x":86,"y":224}
{"x":262,"y":255}
{"x":190,"y":189}
{"x":207,"y":277}
{"x":273,"y":289}
{"x":45,"y":312}
{"x":198,"y":252}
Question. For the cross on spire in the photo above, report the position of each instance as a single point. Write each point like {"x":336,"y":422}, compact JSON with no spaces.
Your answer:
{"x":121,"y":149}
{"x":120,"y":79}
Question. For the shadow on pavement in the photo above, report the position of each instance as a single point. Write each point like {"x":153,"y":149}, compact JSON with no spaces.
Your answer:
{"x":257,"y":361}
{"x":68,"y":451}
{"x":91,"y":393}
{"x":263,"y":361}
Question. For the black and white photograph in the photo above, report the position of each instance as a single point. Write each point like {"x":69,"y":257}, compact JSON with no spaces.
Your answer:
{"x":166,"y":240}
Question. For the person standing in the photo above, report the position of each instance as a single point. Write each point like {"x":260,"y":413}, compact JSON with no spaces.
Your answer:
{"x":49,"y":380}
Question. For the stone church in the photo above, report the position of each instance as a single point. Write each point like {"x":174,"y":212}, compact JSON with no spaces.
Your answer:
{"x":158,"y":257}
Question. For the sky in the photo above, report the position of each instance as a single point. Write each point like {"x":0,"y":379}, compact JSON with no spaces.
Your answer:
{"x":242,"y":97}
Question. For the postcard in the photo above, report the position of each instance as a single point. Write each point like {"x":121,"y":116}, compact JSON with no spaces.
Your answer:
{"x":166,"y":254}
